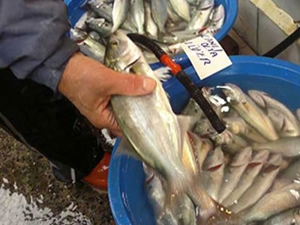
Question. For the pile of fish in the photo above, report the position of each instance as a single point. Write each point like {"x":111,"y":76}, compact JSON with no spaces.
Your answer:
{"x":252,"y":169}
{"x":169,"y":22}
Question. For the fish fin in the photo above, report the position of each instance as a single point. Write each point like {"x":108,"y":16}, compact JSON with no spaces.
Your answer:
{"x":163,"y":74}
{"x":125,"y":148}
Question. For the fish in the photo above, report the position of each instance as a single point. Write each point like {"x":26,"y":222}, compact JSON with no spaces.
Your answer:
{"x":231,"y":143}
{"x":81,"y":25}
{"x":289,"y":217}
{"x":249,"y":111}
{"x":101,"y":9}
{"x":151,"y":28}
{"x":217,"y":103}
{"x":194,"y":2}
{"x":119,"y":13}
{"x":181,"y":8}
{"x":288,"y":146}
{"x":288,"y":176}
{"x":177,"y":27}
{"x":157,"y":196}
{"x":159,"y":13}
{"x":203,"y":128}
{"x":213,"y":170}
{"x":172,"y":16}
{"x":201,"y":16}
{"x":99,"y":25}
{"x":284,"y":126}
{"x":273,"y":203}
{"x":201,"y":148}
{"x":267,"y":102}
{"x":185,"y":212}
{"x":161,"y":148}
{"x":234,"y":171}
{"x":192,"y":109}
{"x":238,"y":126}
{"x":216,"y":21}
{"x":248,"y":177}
{"x":298,"y":114}
{"x":128,"y":25}
{"x":260,"y":186}
{"x":88,"y":45}
{"x":137,"y":11}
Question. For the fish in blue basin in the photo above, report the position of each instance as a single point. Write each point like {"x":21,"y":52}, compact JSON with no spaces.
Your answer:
{"x":155,"y":134}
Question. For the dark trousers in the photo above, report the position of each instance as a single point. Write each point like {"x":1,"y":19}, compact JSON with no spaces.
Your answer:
{"x":49,"y":123}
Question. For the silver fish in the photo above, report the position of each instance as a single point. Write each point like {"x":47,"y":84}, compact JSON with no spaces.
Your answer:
{"x":234,"y":171}
{"x":201,"y":148}
{"x":128,"y":24}
{"x":159,"y":13}
{"x":265,"y":101}
{"x":181,"y":8}
{"x":289,"y":217}
{"x":216,"y":21}
{"x":81,"y":22}
{"x":213,"y":172}
{"x":157,"y":198}
{"x":232,"y":143}
{"x":192,"y":109}
{"x":288,"y":147}
{"x":160,"y":149}
{"x":298,"y":114}
{"x":274,"y":203}
{"x":238,"y":126}
{"x":102,"y":9}
{"x":252,"y":170}
{"x":137,"y":11}
{"x":119,"y":12}
{"x":248,"y":110}
{"x":172,"y":16}
{"x":194,"y":2}
{"x":199,"y":19}
{"x":284,"y":126}
{"x":185,"y":212}
{"x":260,"y":186}
{"x":88,"y":45}
{"x":99,"y":25}
{"x":78,"y":35}
{"x":217,"y":103}
{"x":204,"y":128}
{"x":150,"y":26}
{"x":288,"y":176}
{"x":176,"y":26}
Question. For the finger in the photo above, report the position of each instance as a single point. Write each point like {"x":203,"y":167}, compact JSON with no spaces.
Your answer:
{"x":130,"y":85}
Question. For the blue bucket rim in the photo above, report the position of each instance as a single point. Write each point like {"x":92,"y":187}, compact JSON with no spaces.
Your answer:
{"x":115,"y":196}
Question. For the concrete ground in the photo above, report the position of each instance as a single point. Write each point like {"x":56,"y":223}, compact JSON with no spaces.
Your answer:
{"x":29,"y":194}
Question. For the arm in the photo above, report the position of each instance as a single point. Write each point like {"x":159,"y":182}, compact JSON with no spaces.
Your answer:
{"x":33,"y":44}
{"x":33,"y":41}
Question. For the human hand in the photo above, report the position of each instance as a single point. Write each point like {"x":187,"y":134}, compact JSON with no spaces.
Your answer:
{"x":89,"y":85}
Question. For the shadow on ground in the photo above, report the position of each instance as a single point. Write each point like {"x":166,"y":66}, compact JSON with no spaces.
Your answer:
{"x":29,"y":194}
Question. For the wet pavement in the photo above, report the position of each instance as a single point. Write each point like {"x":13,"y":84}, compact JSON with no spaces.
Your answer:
{"x":29,"y":194}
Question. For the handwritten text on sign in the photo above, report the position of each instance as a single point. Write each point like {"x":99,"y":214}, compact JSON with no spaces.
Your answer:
{"x":207,"y":55}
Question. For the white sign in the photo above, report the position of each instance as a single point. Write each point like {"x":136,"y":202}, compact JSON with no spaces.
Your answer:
{"x":207,"y":55}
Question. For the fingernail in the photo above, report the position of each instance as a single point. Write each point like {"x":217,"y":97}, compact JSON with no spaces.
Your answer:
{"x":149,"y":84}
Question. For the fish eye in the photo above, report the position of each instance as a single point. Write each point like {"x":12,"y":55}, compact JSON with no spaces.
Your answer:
{"x":114,"y":43}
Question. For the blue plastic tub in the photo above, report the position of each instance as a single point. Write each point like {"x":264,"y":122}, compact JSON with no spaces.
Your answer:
{"x":231,"y":8}
{"x":281,"y":79}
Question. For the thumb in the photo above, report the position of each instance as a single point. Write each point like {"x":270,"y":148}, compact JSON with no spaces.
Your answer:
{"x":131,"y":84}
